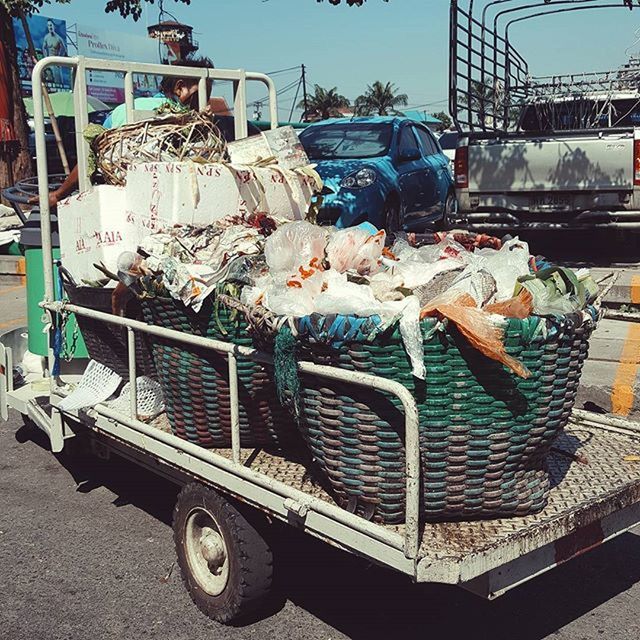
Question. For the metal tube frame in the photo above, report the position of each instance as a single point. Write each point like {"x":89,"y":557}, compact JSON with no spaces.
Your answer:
{"x":500,"y":67}
{"x":55,"y":308}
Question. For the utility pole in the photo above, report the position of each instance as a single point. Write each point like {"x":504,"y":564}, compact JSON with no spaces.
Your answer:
{"x":304,"y":92}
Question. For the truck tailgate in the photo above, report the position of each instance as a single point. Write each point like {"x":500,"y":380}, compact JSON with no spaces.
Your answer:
{"x":552,"y":163}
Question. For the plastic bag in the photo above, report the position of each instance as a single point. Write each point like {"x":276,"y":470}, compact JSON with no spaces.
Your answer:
{"x":506,"y":266}
{"x":520,"y":306}
{"x":293,"y":245}
{"x":385,"y":285}
{"x":557,"y":290}
{"x":446,"y":248}
{"x":355,"y":249}
{"x":483,"y":331}
{"x":415,"y":273}
{"x":412,"y":336}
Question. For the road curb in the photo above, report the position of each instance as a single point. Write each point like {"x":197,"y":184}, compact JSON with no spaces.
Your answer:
{"x":13,"y":270}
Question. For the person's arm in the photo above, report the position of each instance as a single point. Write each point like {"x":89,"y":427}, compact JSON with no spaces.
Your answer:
{"x":66,"y":188}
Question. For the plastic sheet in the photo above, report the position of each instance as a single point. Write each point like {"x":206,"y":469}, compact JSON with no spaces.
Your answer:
{"x":520,"y":306}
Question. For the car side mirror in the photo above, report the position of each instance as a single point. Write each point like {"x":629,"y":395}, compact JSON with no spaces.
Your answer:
{"x":408,"y":155}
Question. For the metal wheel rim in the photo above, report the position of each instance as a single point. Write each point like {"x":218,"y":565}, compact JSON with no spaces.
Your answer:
{"x":206,"y":551}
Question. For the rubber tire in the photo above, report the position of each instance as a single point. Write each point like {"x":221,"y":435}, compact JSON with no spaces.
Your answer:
{"x":391,"y":215}
{"x":446,"y":224}
{"x":250,"y":557}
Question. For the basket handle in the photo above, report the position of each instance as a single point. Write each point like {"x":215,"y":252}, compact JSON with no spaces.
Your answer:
{"x":64,"y":273}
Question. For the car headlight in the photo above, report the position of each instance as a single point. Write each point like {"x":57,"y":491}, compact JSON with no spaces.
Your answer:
{"x":359,"y":179}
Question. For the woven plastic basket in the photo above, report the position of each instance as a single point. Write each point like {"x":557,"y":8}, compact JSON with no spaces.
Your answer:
{"x":484,"y":432}
{"x":195,"y":382}
{"x":107,"y":343}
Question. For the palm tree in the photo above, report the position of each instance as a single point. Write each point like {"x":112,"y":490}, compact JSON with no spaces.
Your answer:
{"x":323,"y":104}
{"x":381,"y":99}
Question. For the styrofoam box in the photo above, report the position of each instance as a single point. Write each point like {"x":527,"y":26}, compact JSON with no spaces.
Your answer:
{"x":98,"y":225}
{"x":165,"y":193}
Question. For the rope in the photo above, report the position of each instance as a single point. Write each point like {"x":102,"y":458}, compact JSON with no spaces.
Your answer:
{"x":286,"y":369}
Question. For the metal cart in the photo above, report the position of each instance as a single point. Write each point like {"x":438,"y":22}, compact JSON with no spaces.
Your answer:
{"x":225,"y":559}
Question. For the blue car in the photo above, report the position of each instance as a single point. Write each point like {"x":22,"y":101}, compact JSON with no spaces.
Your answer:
{"x":389,"y":171}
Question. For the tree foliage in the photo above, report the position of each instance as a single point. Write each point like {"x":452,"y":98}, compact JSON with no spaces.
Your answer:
{"x":445,"y":120}
{"x":380,"y":99}
{"x":323,"y":104}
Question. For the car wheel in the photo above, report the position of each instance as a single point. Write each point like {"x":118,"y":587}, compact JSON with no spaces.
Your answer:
{"x":391,"y":216}
{"x":451,"y":216}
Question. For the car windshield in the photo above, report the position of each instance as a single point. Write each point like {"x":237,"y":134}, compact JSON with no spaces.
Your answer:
{"x":347,"y":140}
{"x":448,"y":140}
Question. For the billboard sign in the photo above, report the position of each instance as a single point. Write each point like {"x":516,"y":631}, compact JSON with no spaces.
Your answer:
{"x":113,"y":45}
{"x":49,"y":37}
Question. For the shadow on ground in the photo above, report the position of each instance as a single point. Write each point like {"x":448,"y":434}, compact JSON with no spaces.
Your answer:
{"x":364,"y":601}
{"x":597,"y":248}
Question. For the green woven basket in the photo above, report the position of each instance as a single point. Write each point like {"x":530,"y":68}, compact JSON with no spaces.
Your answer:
{"x":484,"y":432}
{"x":195,"y":381}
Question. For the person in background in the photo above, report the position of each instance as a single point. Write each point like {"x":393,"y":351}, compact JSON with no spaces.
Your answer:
{"x":179,"y":90}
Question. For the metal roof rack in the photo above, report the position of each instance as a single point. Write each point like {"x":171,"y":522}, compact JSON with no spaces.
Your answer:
{"x":489,"y":80}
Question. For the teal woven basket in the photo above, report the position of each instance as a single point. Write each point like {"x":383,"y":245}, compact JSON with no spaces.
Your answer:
{"x":195,"y":382}
{"x":484,"y":432}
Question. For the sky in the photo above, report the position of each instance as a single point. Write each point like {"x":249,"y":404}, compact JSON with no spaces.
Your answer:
{"x":402,"y":41}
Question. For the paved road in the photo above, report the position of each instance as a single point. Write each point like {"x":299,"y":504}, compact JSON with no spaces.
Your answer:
{"x":85,"y":550}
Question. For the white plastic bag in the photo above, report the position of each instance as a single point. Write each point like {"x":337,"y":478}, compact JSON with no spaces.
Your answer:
{"x":355,"y":249}
{"x":506,"y":266}
{"x":294,"y":245}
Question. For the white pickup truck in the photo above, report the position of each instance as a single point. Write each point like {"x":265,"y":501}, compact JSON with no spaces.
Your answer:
{"x":573,"y":162}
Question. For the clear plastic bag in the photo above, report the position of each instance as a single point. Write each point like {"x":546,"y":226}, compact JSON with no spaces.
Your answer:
{"x":293,"y":245}
{"x":355,"y":249}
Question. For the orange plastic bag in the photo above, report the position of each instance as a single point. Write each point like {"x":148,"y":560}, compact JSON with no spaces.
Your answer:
{"x":521,"y":306}
{"x":477,"y":326}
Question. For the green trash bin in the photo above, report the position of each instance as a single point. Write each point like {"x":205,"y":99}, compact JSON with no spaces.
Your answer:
{"x":37,"y":340}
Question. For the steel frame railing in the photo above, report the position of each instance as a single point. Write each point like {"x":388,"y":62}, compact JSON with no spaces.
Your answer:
{"x":231,"y":351}
{"x":484,"y":61}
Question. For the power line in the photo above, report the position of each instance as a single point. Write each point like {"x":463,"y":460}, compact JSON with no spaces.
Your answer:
{"x":273,"y":73}
{"x":426,"y":104}
{"x":278,"y":92}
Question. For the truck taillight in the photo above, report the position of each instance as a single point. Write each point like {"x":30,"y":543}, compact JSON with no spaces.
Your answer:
{"x":461,"y":167}
{"x":636,"y":162}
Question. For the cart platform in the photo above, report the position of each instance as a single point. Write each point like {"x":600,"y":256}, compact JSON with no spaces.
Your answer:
{"x":595,"y":497}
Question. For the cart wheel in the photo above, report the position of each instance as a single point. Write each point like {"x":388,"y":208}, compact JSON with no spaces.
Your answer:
{"x":226,"y":564}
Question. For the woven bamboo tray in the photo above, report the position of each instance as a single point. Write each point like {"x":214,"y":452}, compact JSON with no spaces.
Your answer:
{"x":484,"y":432}
{"x":195,"y":381}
